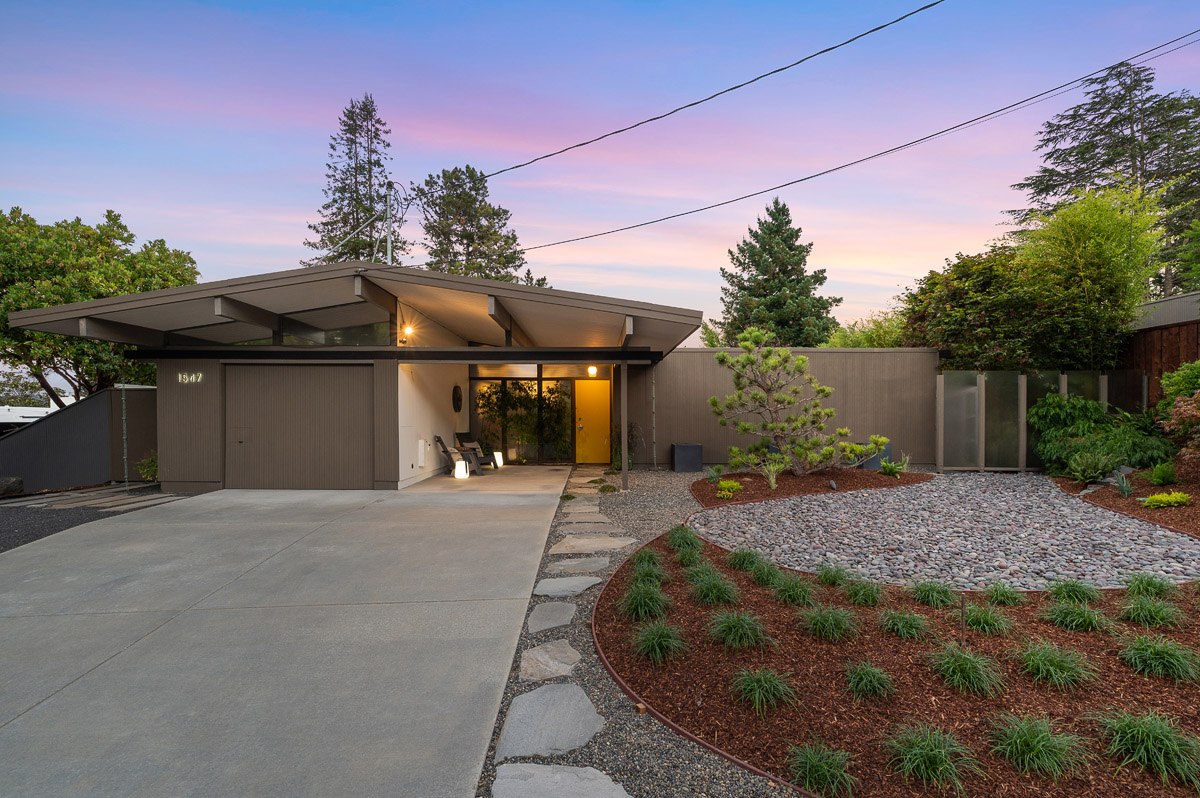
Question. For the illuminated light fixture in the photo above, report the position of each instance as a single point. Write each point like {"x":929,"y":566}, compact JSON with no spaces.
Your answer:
{"x":498,"y":459}
{"x":460,"y":469}
{"x":591,"y":371}
{"x":408,"y":330}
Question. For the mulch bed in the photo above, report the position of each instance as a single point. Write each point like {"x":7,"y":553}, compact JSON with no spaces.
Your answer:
{"x":1181,"y":519}
{"x":755,"y":486}
{"x":693,"y":691}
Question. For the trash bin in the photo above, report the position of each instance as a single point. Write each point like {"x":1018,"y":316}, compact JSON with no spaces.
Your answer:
{"x":687,"y":457}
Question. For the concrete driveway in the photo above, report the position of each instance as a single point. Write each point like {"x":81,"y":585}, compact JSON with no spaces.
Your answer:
{"x":262,"y":643}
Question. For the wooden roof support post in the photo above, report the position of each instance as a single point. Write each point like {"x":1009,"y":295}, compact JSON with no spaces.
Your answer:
{"x":624,"y":425}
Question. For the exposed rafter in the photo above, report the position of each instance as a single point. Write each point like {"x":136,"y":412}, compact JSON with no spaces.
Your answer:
{"x":236,"y":310}
{"x":106,"y":330}
{"x":626,"y":331}
{"x":513,"y":334}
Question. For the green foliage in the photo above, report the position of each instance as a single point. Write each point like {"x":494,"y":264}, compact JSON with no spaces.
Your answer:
{"x":1074,"y":436}
{"x":1149,"y":585}
{"x":765,"y":574}
{"x":18,"y":390}
{"x":905,"y":625}
{"x":681,"y":537}
{"x":1161,"y":656}
{"x":1075,"y":617}
{"x":649,"y":571}
{"x":864,"y":594}
{"x":832,"y":575}
{"x":763,"y":689}
{"x":566,"y":497}
{"x":69,"y":261}
{"x":987,"y":620}
{"x":713,"y":474}
{"x":147,"y":467}
{"x":744,"y":559}
{"x":1059,"y":667}
{"x":644,"y":600}
{"x":1154,"y":742}
{"x":701,"y":571}
{"x":658,"y":642}
{"x":738,"y":630}
{"x":1089,"y":466}
{"x":688,"y":558}
{"x":865,"y":680}
{"x":829,"y":623}
{"x":1124,"y":486}
{"x":821,"y":770}
{"x":1031,"y":745}
{"x":607,"y":489}
{"x":776,"y":387}
{"x":877,"y":330}
{"x":731,"y":485}
{"x":1172,"y":499}
{"x":1184,"y":421}
{"x":794,"y":590}
{"x":1003,"y":595}
{"x":932,"y":593}
{"x":646,"y":556}
{"x":768,"y":286}
{"x":513,"y":405}
{"x":1073,"y":590}
{"x":597,"y":481}
{"x":890,"y":468}
{"x":1183,"y":381}
{"x":715,"y":590}
{"x":967,"y":671}
{"x":1163,"y":474}
{"x":933,"y":756}
{"x":1151,"y":612}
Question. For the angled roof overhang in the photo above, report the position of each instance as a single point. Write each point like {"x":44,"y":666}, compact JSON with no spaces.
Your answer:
{"x":309,"y":302}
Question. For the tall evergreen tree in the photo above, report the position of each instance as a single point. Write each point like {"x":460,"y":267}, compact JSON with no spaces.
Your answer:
{"x":1125,"y":134}
{"x":769,"y":287}
{"x":464,"y":233}
{"x":357,"y":189}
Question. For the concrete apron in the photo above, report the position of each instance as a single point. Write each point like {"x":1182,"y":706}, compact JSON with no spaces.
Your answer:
{"x":271,"y":642}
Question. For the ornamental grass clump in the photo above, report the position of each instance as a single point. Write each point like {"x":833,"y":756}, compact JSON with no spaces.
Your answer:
{"x":715,"y":590}
{"x":821,"y":770}
{"x":1031,"y":745}
{"x":1074,"y":590}
{"x":967,"y":672}
{"x":1003,"y":595}
{"x":646,"y":557}
{"x":832,"y":575}
{"x":1151,"y":612}
{"x":701,"y":571}
{"x":688,"y":558}
{"x":865,"y":680}
{"x":649,"y":571}
{"x":935,"y":757}
{"x":1160,"y":656}
{"x":1153,"y":742}
{"x":794,"y":590}
{"x":763,"y":689}
{"x":1148,"y":585}
{"x":864,"y":594}
{"x":765,"y":574}
{"x":986,"y":620}
{"x":744,"y":559}
{"x":607,"y":489}
{"x":829,"y":623}
{"x":643,"y":601}
{"x":1075,"y":617}
{"x":738,"y":630}
{"x":905,"y":625}
{"x":658,"y":642}
{"x":681,"y":538}
{"x":1064,"y":668}
{"x":932,"y":593}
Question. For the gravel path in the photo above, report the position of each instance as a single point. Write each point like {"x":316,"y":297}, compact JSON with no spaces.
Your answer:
{"x":968,"y":529}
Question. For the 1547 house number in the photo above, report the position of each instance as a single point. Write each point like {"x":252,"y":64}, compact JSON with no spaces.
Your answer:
{"x":191,"y":377}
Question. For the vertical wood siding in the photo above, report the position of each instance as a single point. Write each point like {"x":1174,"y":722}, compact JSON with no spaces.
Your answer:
{"x":1162,"y":349}
{"x":191,"y":431}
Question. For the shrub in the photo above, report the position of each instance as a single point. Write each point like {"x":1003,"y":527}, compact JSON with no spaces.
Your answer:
{"x":1184,"y":421}
{"x":658,"y":642}
{"x":1124,"y":486}
{"x":1163,"y":474}
{"x":1153,"y":742}
{"x":1074,"y":590}
{"x":1090,"y":466}
{"x":643,"y":601}
{"x":730,"y":485}
{"x":1061,"y":426}
{"x":607,"y":489}
{"x":1173,"y":499}
{"x":765,"y":574}
{"x":1056,"y":666}
{"x":967,"y":671}
{"x":987,"y":620}
{"x":1126,"y":444}
{"x":821,"y":770}
{"x":1003,"y":595}
{"x":681,"y":538}
{"x":1075,"y":617}
{"x":608,"y":472}
{"x":832,"y":575}
{"x":147,"y":467}
{"x":1149,"y":611}
{"x":744,"y":559}
{"x":864,"y":594}
{"x":934,"y":756}
{"x":713,"y":474}
{"x":1031,"y":746}
{"x":868,"y":681}
{"x":688,"y":558}
{"x":715,"y":590}
{"x":1160,"y":656}
{"x":932,"y":593}
{"x":1183,"y":381}
{"x":1148,"y":585}
{"x":763,"y":689}
{"x":738,"y":630}
{"x":794,"y":590}
{"x":905,"y":625}
{"x":829,"y":623}
{"x":891,"y":468}
{"x":724,"y":494}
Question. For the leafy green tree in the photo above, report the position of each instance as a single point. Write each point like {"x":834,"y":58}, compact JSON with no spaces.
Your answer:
{"x":776,"y":390}
{"x":357,"y":189}
{"x":879,"y":330}
{"x":1125,"y":134}
{"x":18,"y":390}
{"x":1189,"y":255}
{"x":43,"y":265}
{"x":465,"y":233}
{"x":768,"y":286}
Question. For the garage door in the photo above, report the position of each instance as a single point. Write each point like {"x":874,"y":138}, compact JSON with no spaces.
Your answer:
{"x":298,"y":427}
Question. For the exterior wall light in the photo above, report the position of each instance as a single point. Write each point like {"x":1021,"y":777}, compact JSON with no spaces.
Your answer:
{"x":498,"y":459}
{"x":460,"y":469}
{"x":591,"y":371}
{"x":408,"y":330}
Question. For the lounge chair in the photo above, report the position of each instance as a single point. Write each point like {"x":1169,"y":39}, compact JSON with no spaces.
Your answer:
{"x":454,"y":455}
{"x":467,"y":443}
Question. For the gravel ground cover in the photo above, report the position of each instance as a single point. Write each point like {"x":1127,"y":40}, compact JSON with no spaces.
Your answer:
{"x":967,"y":529}
{"x":639,"y":753}
{"x":21,"y":525}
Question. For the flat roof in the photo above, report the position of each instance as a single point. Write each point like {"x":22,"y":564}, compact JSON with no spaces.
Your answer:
{"x":308,"y":301}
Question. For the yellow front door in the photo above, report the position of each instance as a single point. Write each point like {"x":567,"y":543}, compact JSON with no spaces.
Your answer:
{"x":592,"y":421}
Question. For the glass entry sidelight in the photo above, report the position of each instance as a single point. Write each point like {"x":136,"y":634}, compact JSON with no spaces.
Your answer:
{"x":593,"y":421}
{"x":528,"y":425}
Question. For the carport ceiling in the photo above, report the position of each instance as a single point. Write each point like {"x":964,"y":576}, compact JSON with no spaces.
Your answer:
{"x":306,"y":302}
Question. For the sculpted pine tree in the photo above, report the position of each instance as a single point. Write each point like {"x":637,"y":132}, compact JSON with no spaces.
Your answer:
{"x":768,"y":286}
{"x":357,"y":189}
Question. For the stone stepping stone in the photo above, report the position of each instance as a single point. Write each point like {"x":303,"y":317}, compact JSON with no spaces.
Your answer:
{"x":589,"y":544}
{"x":575,"y":527}
{"x":519,"y":780}
{"x":553,"y":719}
{"x":550,"y":615}
{"x":548,"y":661}
{"x":559,"y":586}
{"x":582,"y":565}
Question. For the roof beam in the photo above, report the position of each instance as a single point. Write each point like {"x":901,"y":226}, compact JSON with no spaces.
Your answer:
{"x":133,"y":334}
{"x":371,"y":292}
{"x":513,"y":333}
{"x":236,"y":310}
{"x":626,"y":331}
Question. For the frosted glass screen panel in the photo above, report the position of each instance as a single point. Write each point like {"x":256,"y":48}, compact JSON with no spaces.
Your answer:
{"x":1037,"y":385}
{"x":1125,"y":390}
{"x":1085,"y":384}
{"x":960,"y":420}
{"x":1001,"y":421}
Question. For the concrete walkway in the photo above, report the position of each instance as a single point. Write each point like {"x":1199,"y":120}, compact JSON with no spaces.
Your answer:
{"x":263,"y":643}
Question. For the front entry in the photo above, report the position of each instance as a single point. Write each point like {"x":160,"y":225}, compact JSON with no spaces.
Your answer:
{"x":592,"y":421}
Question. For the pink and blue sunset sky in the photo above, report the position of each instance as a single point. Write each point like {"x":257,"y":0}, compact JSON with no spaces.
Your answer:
{"x":207,"y":123}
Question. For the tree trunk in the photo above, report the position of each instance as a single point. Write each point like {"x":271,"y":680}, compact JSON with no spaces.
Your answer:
{"x":49,"y":389}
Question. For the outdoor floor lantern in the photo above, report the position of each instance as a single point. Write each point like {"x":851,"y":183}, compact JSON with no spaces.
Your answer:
{"x":460,"y":469}
{"x":498,"y":459}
